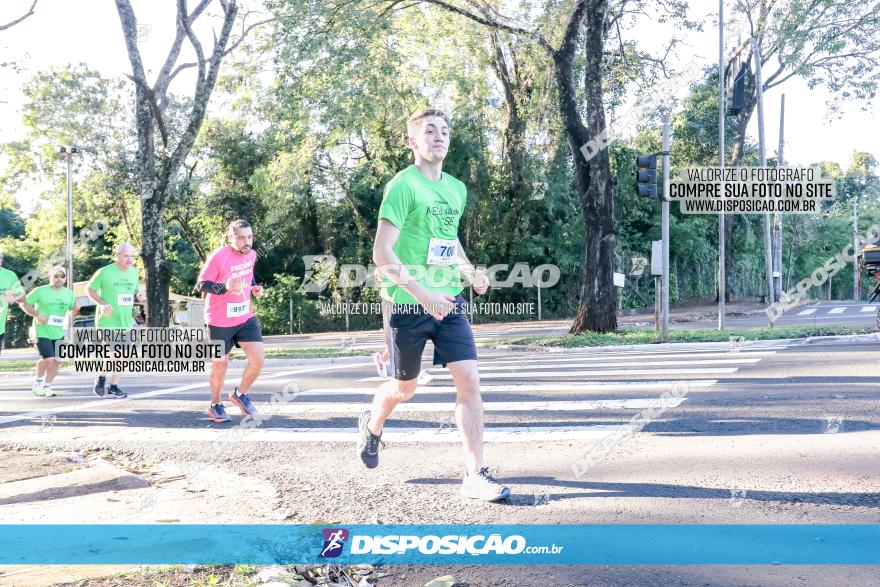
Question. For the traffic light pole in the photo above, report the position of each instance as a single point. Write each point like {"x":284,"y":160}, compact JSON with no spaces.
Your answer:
{"x":759,"y":91}
{"x":664,"y":228}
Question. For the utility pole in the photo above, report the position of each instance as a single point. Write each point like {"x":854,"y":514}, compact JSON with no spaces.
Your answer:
{"x":857,"y":293}
{"x":69,"y":152}
{"x":768,"y":241}
{"x":777,"y":218}
{"x":722,"y":278}
{"x":664,"y":226}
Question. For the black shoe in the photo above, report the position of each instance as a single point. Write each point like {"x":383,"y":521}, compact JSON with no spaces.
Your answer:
{"x":368,"y":443}
{"x":114,"y":391}
{"x":98,"y":388}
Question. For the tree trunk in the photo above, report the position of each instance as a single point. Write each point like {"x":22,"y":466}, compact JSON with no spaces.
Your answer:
{"x":157,"y":267}
{"x":597,"y":304}
{"x":516,"y":96}
{"x":155,"y":180}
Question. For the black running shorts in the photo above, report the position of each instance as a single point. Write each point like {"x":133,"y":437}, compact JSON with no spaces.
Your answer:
{"x":409,"y":326}
{"x":248,"y":331}
{"x":46,"y":347}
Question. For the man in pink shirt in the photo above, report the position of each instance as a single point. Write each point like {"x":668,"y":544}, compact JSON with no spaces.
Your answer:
{"x":227,"y":279}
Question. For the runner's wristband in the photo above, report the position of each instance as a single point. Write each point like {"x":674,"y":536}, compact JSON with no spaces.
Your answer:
{"x":211,"y":287}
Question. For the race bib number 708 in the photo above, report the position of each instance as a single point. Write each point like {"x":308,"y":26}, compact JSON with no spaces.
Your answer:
{"x":442,"y":251}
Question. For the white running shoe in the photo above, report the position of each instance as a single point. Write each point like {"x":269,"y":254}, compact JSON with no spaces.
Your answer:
{"x":382,"y":367}
{"x":483,"y":486}
{"x":48,"y":391}
{"x":37,"y":388}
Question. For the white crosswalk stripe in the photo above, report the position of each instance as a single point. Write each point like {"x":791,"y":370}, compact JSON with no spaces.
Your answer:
{"x":807,"y":312}
{"x":838,"y":310}
{"x":631,"y":357}
{"x":546,"y":391}
{"x":869,"y":308}
{"x":606,"y":387}
{"x":548,"y":406}
{"x":323,"y":434}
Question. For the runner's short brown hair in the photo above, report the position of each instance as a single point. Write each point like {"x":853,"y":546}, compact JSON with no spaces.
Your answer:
{"x":416,"y":117}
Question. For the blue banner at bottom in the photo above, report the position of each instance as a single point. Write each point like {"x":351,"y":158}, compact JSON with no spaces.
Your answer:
{"x":607,"y":544}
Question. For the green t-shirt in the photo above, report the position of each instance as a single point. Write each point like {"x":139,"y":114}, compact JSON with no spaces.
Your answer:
{"x":8,"y":283}
{"x":117,"y":288}
{"x":54,"y":305}
{"x":424,"y":210}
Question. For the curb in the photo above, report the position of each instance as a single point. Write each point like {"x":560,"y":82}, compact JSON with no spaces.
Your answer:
{"x":839,"y":338}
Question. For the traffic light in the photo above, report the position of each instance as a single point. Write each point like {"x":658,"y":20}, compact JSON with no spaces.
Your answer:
{"x":736,"y":89}
{"x":646,"y":176}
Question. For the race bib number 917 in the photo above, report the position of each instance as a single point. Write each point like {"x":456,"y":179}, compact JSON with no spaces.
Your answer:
{"x":234,"y":310}
{"x":441,"y":251}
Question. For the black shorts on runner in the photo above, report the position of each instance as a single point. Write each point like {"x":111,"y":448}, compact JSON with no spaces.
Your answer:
{"x":46,"y":347}
{"x":409,"y":326}
{"x":248,"y":331}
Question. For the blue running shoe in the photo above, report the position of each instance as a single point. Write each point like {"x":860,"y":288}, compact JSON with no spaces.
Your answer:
{"x":368,"y":443}
{"x":217,"y":413}
{"x":243,"y":402}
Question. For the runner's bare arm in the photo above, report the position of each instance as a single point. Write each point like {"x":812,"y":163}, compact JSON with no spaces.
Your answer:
{"x":470,"y":274}
{"x":28,"y":309}
{"x":95,"y":297}
{"x":388,"y":263}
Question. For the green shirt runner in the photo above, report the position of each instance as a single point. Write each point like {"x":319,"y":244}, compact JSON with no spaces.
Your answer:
{"x":427,"y":214}
{"x":116,"y":287}
{"x":8,"y":283}
{"x":54,"y":305}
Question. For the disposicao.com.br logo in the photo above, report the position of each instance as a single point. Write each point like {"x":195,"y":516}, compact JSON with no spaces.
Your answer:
{"x":479,"y":544}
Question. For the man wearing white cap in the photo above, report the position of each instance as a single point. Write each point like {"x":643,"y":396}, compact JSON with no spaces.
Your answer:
{"x":49,"y":305}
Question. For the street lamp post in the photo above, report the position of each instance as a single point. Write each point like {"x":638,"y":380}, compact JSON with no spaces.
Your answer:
{"x":69,"y":152}
{"x":722,"y":273}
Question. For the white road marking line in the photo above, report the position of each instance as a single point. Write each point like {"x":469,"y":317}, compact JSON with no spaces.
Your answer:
{"x":839,"y":310}
{"x":493,"y":434}
{"x":429,"y":407}
{"x":868,"y":308}
{"x":541,"y":365}
{"x":547,"y":358}
{"x":202,"y":384}
{"x":807,"y":312}
{"x":610,"y":387}
{"x":669,"y":373}
{"x":31,"y":397}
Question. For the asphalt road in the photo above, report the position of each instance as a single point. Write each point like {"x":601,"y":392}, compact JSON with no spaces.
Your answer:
{"x":774,"y":432}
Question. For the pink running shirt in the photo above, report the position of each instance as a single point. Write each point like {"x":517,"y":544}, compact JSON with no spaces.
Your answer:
{"x":233,"y":307}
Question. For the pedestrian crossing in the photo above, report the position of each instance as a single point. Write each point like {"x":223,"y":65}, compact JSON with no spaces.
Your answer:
{"x":376,"y":341}
{"x":837,"y":311}
{"x":527,"y":397}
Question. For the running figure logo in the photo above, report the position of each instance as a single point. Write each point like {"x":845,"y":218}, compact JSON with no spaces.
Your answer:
{"x":334,"y":540}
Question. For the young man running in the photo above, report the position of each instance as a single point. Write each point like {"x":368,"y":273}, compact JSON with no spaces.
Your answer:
{"x":49,"y":305}
{"x":418,"y":250}
{"x":228,"y":280}
{"x":115,"y":288}
{"x":11,"y":291}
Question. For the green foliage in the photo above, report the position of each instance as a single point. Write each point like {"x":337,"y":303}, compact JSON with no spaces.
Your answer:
{"x":304,"y":155}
